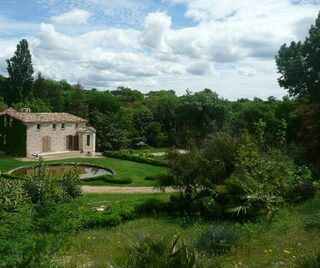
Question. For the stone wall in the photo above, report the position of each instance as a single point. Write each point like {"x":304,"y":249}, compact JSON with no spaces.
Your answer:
{"x":58,"y":137}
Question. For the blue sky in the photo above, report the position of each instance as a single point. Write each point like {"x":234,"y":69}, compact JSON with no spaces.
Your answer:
{"x":228,"y":46}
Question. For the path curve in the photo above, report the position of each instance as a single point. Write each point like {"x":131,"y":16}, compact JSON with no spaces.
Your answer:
{"x":116,"y":189}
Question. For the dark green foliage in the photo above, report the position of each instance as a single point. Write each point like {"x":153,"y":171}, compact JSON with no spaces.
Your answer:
{"x":313,"y":222}
{"x":308,"y":261}
{"x":16,"y":136}
{"x":152,"y":206}
{"x":217,"y":239}
{"x":135,"y":158}
{"x":301,"y":192}
{"x":20,"y":71}
{"x":110,"y":179}
{"x":157,"y":252}
{"x":298,"y":65}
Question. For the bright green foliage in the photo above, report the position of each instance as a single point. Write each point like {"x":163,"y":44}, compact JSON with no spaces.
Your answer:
{"x":157,"y":252}
{"x":217,"y":239}
{"x":20,"y":71}
{"x":261,"y":180}
{"x":35,"y":104}
{"x":36,"y":217}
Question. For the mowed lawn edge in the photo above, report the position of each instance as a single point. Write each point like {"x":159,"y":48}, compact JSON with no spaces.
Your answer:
{"x":124,"y":168}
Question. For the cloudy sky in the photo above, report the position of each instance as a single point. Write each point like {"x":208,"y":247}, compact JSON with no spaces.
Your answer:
{"x":225,"y":45}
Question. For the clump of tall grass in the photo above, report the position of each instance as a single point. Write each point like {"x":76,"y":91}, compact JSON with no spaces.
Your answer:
{"x":309,"y":261}
{"x":158,"y":252}
{"x":218,"y":239}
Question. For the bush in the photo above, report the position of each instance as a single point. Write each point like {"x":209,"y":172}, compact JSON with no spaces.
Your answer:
{"x":149,"y":178}
{"x":158,"y":252}
{"x":135,"y":158}
{"x":108,"y":218}
{"x":313,"y":223}
{"x":302,"y":192}
{"x":152,"y":206}
{"x":70,"y":182}
{"x":109,"y":179}
{"x":309,"y":261}
{"x":218,"y":239}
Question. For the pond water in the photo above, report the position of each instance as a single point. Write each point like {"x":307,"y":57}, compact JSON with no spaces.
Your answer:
{"x":56,"y":170}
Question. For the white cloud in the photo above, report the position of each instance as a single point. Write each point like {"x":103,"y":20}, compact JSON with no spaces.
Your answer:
{"x":76,"y":16}
{"x":155,"y":27}
{"x":230,"y":48}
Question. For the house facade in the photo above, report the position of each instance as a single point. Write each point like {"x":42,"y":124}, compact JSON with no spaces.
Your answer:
{"x":30,"y":134}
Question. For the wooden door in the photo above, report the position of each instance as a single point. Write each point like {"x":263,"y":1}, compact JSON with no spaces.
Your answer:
{"x":46,"y":145}
{"x":69,"y":142}
{"x":76,"y":142}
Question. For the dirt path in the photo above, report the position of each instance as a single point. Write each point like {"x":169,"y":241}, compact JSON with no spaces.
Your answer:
{"x":116,"y":189}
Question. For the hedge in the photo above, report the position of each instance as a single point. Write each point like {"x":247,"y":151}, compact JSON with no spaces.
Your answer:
{"x":135,"y":158}
{"x":110,"y":179}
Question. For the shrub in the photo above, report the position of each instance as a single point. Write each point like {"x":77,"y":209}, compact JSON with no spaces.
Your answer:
{"x":108,"y":218}
{"x":135,"y":158}
{"x":217,"y":239}
{"x":70,"y":182}
{"x":109,"y":179}
{"x":313,"y":223}
{"x":302,"y":192}
{"x":158,"y":252}
{"x":149,"y":178}
{"x":309,"y":261}
{"x":152,"y":206}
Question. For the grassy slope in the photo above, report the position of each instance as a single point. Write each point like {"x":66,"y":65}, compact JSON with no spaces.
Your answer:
{"x":124,"y":169}
{"x":260,"y":245}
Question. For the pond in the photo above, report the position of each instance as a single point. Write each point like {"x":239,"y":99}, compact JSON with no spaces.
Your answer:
{"x":56,"y":170}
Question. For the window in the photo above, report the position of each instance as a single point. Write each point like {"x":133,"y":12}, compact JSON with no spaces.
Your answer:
{"x":88,"y":140}
{"x":62,"y":125}
{"x":10,"y":122}
{"x":4,"y":139}
{"x":54,"y":126}
{"x":5,"y":121}
{"x":38,"y":126}
{"x":77,"y":125}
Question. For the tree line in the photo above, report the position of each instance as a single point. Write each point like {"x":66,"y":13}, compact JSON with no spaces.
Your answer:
{"x":163,"y":119}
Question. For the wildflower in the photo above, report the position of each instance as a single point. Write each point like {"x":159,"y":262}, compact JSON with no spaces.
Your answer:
{"x":286,"y":251}
{"x":270,"y":250}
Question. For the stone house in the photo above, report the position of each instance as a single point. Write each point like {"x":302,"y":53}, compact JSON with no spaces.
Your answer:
{"x":31,"y":134}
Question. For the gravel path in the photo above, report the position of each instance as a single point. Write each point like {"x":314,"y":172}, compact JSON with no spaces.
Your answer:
{"x":116,"y":189}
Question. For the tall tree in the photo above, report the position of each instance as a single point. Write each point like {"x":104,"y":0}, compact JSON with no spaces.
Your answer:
{"x":20,"y":71}
{"x":299,"y":65}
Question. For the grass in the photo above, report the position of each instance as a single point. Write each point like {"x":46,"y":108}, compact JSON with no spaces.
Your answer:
{"x":123,"y":168}
{"x":259,"y":245}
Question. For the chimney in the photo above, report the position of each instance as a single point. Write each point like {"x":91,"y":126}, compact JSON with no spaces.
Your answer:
{"x":25,"y":110}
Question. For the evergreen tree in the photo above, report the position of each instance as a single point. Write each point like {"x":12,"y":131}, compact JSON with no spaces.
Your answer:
{"x":20,"y":71}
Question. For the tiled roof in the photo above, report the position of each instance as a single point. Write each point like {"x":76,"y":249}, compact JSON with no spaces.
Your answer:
{"x":42,"y":117}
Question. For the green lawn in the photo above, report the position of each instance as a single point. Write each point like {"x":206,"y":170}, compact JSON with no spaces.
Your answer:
{"x":123,"y":168}
{"x":260,"y":245}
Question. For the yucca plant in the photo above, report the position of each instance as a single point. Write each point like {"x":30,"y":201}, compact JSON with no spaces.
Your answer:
{"x":217,"y":240}
{"x":157,"y":252}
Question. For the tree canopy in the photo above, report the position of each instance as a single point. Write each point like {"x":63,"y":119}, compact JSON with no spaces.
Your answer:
{"x":20,"y":71}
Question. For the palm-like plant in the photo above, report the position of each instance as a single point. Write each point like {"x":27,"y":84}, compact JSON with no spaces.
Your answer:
{"x":157,"y":252}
